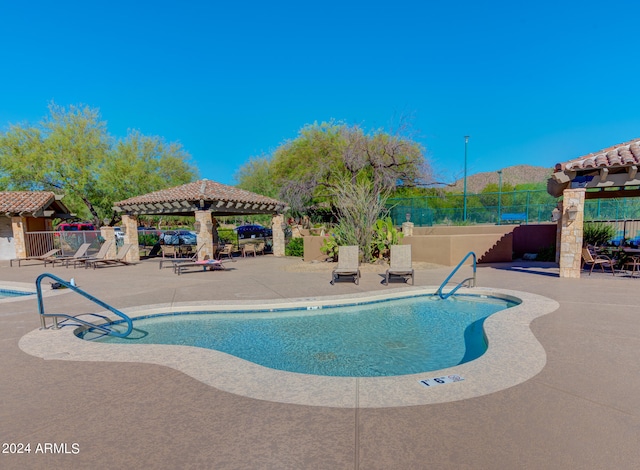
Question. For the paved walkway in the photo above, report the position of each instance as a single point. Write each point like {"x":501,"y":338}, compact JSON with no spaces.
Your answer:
{"x":581,"y":411}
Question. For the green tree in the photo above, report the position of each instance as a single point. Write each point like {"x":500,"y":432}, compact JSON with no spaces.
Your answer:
{"x":62,"y":153}
{"x":139,"y":164}
{"x":71,"y":152}
{"x":256,"y":176}
{"x":343,"y":167}
{"x":311,"y":167}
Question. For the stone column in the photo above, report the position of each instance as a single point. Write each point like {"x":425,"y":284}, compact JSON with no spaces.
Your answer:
{"x":19,"y":225}
{"x":130,"y":228}
{"x":278,"y":235}
{"x":204,"y":233}
{"x":109,"y":235}
{"x":407,"y":229}
{"x":571,"y":233}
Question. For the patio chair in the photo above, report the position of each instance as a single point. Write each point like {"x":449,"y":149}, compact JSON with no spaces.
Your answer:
{"x":169,"y":250}
{"x":400,"y":263}
{"x":80,"y":253}
{"x":46,"y":258}
{"x":118,"y":260}
{"x":101,"y":254}
{"x":260,"y":248}
{"x":597,"y":260}
{"x":249,"y":249}
{"x":348,"y":264}
{"x":227,"y":251}
{"x":632,"y":264}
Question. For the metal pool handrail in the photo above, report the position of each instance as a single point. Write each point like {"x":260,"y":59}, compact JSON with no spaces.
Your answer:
{"x":105,"y":329}
{"x":472,"y":279}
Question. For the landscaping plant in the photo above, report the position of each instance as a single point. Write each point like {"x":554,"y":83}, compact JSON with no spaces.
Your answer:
{"x":597,"y":233}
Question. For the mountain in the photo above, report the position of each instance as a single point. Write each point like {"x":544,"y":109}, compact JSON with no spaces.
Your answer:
{"x":518,"y":174}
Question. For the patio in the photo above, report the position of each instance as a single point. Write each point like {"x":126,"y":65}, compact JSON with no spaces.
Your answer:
{"x":581,"y":411}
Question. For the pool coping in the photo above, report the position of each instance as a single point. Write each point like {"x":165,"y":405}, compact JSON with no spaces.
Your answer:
{"x":514,"y":356}
{"x":22,"y":287}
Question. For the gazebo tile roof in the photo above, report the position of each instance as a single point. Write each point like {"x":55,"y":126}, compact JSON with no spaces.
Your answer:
{"x":625,"y":154}
{"x":203,"y":189}
{"x":30,"y":202}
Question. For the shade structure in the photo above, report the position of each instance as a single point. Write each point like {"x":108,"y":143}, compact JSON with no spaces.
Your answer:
{"x":608,"y":173}
{"x":202,"y":195}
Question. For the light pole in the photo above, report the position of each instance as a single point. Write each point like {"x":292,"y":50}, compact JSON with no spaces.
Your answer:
{"x":464,"y":197}
{"x":499,"y":197}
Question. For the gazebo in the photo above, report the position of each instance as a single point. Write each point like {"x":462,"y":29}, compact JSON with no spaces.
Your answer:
{"x":206,"y":200}
{"x":609,"y":173}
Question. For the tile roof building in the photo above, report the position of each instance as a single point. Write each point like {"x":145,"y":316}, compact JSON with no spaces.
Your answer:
{"x":611,"y":172}
{"x":26,"y":211}
{"x":608,"y":173}
{"x":32,"y":204}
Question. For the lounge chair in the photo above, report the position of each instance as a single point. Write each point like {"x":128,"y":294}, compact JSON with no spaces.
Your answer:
{"x":79,"y":254}
{"x":101,"y":254}
{"x":46,"y":258}
{"x":597,"y":260}
{"x":210,"y":264}
{"x":119,"y":259}
{"x":400,"y":264}
{"x":193,"y":258}
{"x":348,"y":264}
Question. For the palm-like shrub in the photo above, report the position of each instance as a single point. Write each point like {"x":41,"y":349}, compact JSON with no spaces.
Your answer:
{"x":597,"y":233}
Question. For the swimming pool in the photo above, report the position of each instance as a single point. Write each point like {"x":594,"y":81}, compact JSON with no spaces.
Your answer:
{"x":514,"y":355}
{"x":390,"y":338}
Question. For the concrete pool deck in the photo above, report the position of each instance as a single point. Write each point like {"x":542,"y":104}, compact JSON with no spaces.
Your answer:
{"x":580,"y":411}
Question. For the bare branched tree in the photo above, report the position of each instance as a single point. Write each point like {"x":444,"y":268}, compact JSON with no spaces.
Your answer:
{"x":358,"y":206}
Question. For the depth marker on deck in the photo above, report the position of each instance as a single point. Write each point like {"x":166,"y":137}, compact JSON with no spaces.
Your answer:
{"x":447,"y":379}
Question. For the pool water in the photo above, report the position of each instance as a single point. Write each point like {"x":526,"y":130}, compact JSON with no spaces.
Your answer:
{"x":6,"y":293}
{"x":387,"y":338}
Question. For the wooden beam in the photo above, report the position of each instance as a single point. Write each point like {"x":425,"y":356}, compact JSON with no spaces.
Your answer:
{"x":603,"y":174}
{"x":612,"y":194}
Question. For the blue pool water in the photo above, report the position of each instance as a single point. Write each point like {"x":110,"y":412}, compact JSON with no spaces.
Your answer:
{"x":388,"y":338}
{"x":6,"y":293}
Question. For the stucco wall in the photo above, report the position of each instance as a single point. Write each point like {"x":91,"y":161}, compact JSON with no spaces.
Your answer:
{"x":7,"y":246}
{"x":447,"y":245}
{"x":448,"y":250}
{"x":312,"y":245}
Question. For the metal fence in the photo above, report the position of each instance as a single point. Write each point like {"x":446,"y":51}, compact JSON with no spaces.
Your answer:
{"x":38,"y":243}
{"x":498,"y":208}
{"x":626,"y":231}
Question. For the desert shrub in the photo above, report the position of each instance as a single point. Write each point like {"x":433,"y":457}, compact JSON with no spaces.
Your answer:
{"x":227,"y":235}
{"x":597,"y":233}
{"x":547,"y":253}
{"x":295,"y":247}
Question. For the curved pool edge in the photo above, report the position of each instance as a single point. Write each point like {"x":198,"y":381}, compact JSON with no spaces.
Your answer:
{"x":23,"y":287}
{"x":514,"y":356}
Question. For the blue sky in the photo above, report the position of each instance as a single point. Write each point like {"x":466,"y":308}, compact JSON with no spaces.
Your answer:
{"x":530,"y":83}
